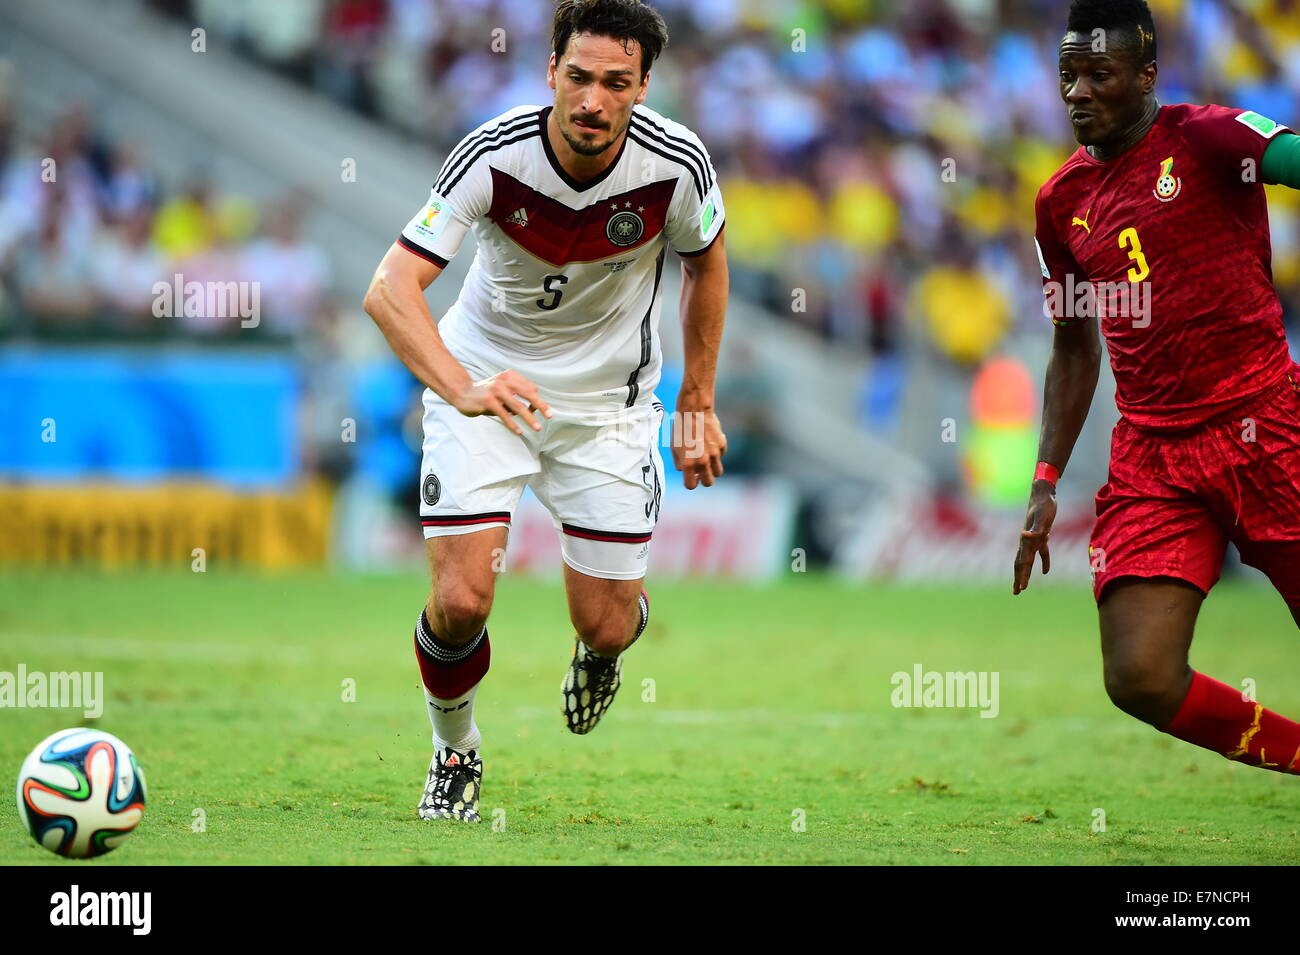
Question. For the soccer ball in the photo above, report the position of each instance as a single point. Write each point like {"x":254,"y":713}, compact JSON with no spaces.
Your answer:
{"x":80,"y":792}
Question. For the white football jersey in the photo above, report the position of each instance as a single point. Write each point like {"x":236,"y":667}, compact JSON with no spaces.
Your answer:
{"x":566,"y":285}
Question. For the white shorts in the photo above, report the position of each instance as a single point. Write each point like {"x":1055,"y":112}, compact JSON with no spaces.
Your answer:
{"x":599,"y":474}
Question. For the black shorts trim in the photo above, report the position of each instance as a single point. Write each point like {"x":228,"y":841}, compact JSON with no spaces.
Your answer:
{"x":617,"y":537}
{"x":461,"y":520}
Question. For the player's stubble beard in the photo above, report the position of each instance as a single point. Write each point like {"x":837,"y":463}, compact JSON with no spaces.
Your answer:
{"x":586,"y":147}
{"x":1123,"y":132}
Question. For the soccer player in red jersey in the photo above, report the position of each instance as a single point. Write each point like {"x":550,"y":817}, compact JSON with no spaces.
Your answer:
{"x":1156,"y":230}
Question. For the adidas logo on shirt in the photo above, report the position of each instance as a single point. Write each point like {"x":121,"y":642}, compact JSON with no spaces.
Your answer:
{"x":519,"y":217}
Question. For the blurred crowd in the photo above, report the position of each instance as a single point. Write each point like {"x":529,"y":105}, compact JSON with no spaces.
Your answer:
{"x":879,"y":158}
{"x":879,"y":162}
{"x":89,"y":238}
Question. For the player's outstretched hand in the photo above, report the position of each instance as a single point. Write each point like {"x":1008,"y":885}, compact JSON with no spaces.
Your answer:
{"x":1033,"y":539}
{"x":505,"y":395}
{"x":698,"y":447}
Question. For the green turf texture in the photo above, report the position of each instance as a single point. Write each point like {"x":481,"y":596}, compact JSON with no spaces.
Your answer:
{"x":767,"y":700}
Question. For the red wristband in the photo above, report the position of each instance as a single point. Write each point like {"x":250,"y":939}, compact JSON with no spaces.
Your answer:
{"x":1047,"y":472}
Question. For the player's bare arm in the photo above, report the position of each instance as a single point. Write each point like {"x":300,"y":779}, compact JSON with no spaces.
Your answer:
{"x":1068,"y":389}
{"x":395,"y":300}
{"x":703,"y":312}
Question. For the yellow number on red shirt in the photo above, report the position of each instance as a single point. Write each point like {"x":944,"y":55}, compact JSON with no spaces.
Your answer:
{"x":1128,"y":239}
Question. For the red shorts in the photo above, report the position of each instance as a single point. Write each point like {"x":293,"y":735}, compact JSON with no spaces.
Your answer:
{"x":1175,"y":498}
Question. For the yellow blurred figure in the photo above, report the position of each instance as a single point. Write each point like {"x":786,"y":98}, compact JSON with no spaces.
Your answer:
{"x":184,"y":226}
{"x":963,"y":311}
{"x":1034,"y":162}
{"x":985,"y":211}
{"x":863,"y":216}
{"x":766,"y":218}
{"x":1280,"y":20}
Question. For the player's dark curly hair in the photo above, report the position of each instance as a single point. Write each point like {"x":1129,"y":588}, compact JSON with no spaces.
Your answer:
{"x":1130,"y":17}
{"x":623,"y":20}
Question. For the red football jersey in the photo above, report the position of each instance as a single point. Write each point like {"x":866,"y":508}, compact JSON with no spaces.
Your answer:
{"x":1172,"y":240}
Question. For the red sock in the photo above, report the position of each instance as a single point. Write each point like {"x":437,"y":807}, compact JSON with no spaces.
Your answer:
{"x":449,"y":671}
{"x":1214,"y":715}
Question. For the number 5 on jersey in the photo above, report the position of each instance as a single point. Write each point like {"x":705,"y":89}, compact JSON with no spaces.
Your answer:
{"x":553,"y":286}
{"x":1129,"y":241}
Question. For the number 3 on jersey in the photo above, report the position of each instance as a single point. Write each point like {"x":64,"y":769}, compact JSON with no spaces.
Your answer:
{"x":552,"y":285}
{"x":1128,"y":240}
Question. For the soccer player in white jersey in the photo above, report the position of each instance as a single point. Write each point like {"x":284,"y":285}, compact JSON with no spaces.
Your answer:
{"x":543,"y":371}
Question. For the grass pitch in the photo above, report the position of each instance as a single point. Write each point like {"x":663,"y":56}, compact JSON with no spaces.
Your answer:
{"x":771,"y":705}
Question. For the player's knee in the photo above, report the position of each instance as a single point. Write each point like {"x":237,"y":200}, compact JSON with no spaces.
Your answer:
{"x":1141,"y":688}
{"x":460,"y":610}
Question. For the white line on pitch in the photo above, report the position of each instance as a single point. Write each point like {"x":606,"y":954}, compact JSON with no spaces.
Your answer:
{"x":120,"y":648}
{"x":659,"y":714}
